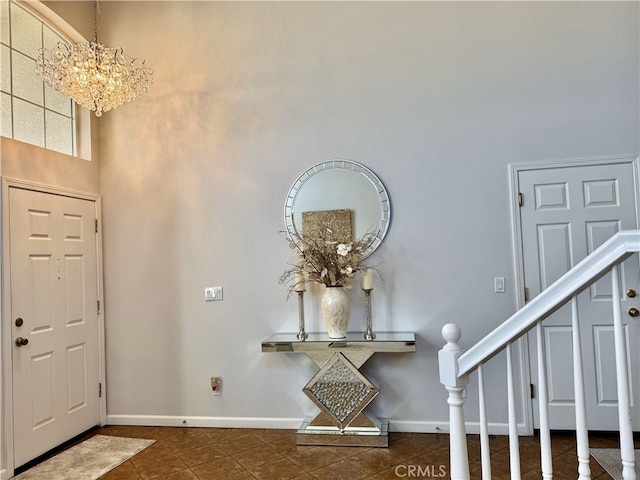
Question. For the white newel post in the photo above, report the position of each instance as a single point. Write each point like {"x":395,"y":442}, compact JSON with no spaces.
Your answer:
{"x":448,"y":362}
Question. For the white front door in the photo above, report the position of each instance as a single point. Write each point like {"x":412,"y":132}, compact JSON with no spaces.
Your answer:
{"x":54,"y":323}
{"x":567,"y":213}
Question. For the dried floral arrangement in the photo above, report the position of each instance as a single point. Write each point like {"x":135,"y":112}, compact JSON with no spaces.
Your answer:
{"x":322,"y":259}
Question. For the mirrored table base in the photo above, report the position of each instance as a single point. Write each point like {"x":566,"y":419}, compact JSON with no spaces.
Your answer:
{"x":352,"y":436}
{"x":339,"y":389}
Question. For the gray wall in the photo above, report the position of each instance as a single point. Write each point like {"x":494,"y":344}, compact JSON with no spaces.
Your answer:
{"x":436,"y":98}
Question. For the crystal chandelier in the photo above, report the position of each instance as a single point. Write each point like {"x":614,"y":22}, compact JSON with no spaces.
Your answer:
{"x":95,"y":76}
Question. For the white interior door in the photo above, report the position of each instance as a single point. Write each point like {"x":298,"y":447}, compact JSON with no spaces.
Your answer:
{"x":566,"y":214}
{"x":54,"y":295}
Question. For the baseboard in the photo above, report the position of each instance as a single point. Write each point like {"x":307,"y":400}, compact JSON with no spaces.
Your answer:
{"x":211,"y":422}
{"x":472,"y":428}
{"x":291,"y":423}
{"x":410,"y":426}
{"x":418,"y":427}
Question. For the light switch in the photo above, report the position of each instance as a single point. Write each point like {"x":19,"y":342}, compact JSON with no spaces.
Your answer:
{"x":498,"y":285}
{"x":212,"y":293}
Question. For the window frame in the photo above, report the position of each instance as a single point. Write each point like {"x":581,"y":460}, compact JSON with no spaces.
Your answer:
{"x":81,"y":117}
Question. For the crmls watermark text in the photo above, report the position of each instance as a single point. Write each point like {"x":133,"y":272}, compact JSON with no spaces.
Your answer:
{"x":421,"y":471}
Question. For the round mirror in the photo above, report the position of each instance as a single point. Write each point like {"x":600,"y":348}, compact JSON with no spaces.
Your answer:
{"x":340,"y":185}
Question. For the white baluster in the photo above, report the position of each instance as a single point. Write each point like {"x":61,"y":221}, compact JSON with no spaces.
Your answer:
{"x":514,"y":447}
{"x":543,"y":406}
{"x":624,"y":411}
{"x":484,"y":432}
{"x":582,"y":434}
{"x":448,"y":361}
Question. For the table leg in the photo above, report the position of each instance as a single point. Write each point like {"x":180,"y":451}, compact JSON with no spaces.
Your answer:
{"x":341,"y":392}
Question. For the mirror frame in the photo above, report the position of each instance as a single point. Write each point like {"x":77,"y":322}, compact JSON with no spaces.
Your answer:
{"x":385,"y":204}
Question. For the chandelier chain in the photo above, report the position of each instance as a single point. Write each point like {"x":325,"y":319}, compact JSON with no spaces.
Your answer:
{"x":95,"y":21}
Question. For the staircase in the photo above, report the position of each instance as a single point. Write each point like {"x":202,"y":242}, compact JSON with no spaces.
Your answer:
{"x":456,"y":365}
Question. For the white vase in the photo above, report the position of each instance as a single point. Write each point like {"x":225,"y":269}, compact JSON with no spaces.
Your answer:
{"x":336,"y":306}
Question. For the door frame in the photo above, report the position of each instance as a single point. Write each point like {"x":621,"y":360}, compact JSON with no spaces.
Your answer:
{"x":516,"y":237}
{"x":6,"y":385}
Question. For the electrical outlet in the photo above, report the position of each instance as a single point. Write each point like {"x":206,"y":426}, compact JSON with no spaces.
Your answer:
{"x":216,"y":385}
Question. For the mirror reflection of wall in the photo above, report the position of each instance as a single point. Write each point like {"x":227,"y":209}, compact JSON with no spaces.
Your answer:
{"x":341,"y":185}
{"x":341,"y":189}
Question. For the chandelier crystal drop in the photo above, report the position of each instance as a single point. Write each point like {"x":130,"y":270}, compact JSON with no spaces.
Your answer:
{"x":95,"y":76}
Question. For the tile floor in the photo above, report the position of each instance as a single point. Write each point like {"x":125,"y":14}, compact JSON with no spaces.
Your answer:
{"x":247,"y":454}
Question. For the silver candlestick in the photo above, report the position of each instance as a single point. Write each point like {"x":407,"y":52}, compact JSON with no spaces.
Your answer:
{"x":369,"y":335}
{"x":302,"y":335}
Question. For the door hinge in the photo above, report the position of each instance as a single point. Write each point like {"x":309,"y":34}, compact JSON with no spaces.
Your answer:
{"x":520,"y":199}
{"x":532,"y":390}
{"x":526,"y":295}
{"x":100,"y":390}
{"x":96,"y":225}
{"x":98,"y":305}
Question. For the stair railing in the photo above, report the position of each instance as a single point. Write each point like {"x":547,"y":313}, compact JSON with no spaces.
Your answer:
{"x":456,"y":365}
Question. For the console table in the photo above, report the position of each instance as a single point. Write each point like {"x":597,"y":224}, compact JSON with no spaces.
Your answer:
{"x":339,"y":389}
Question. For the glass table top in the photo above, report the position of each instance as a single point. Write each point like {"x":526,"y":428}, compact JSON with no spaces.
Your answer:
{"x":384,"y":342}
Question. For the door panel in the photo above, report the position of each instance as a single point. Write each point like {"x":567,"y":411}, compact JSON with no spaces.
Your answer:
{"x":560,"y":390}
{"x":54,"y":290}
{"x":554,"y":252}
{"x":605,"y":366}
{"x":566,"y":214}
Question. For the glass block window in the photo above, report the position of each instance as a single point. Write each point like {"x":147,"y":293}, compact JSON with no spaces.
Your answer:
{"x":31,"y":111}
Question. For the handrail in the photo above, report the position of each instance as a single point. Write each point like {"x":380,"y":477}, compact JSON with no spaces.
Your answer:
{"x":615,"y":250}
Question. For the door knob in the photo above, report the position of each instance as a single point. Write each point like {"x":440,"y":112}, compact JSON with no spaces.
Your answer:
{"x":21,"y":342}
{"x":634,"y":312}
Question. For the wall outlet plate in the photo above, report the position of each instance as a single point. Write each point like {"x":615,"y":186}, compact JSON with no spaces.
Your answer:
{"x":216,"y":385}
